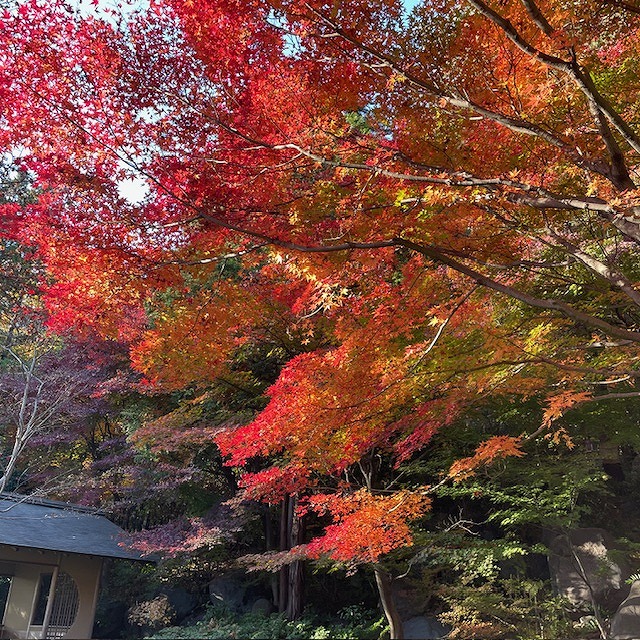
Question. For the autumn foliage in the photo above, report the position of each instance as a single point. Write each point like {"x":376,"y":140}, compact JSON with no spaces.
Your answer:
{"x":365,"y":526}
{"x":420,"y":211}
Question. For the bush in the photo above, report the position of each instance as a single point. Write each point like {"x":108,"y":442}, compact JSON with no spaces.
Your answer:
{"x":217,"y":624}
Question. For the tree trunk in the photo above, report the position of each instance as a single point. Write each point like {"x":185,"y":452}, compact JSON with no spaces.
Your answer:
{"x":369,"y":467}
{"x":283,"y":582}
{"x":383,"y":582}
{"x":296,"y":590}
{"x":291,"y":577}
{"x":270,"y":545}
{"x":296,"y":572}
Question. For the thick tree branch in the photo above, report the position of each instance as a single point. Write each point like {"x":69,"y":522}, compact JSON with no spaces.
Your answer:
{"x":600,"y":268}
{"x":537,"y":16}
{"x":587,"y":86}
{"x":552,"y":201}
{"x":552,"y":305}
{"x":629,"y":227}
{"x":580,"y":75}
{"x":619,"y":174}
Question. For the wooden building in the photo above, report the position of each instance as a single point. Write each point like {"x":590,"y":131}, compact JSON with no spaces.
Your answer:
{"x":51,"y":556}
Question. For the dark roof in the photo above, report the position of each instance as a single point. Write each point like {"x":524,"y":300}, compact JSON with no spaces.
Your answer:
{"x":58,"y":526}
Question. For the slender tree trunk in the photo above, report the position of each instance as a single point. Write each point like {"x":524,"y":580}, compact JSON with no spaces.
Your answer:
{"x":369,"y":467}
{"x":10,"y":466}
{"x":270,"y":545}
{"x":296,"y":570}
{"x":383,"y":582}
{"x":283,"y":582}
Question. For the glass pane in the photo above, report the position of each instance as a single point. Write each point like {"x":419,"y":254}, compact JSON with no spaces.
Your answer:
{"x":5,"y":585}
{"x":42,"y":599}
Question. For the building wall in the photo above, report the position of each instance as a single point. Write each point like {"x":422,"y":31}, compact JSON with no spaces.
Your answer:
{"x":85,"y":570}
{"x":29,"y":564}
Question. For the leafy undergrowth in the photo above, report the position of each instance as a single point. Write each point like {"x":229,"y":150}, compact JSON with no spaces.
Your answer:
{"x":351,"y":622}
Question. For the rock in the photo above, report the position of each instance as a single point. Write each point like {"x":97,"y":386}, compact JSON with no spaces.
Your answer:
{"x":228,"y":590}
{"x":625,"y":624}
{"x":588,"y":553}
{"x":182,"y":602}
{"x":262,"y":607}
{"x":423,"y":628}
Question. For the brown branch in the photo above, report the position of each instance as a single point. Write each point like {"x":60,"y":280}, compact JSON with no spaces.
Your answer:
{"x":613,"y":396}
{"x":294,"y":246}
{"x":600,"y":268}
{"x":550,"y":304}
{"x":551,"y":201}
{"x":548,"y":200}
{"x":516,"y":125}
{"x":587,"y":86}
{"x":512,"y":34}
{"x":628,"y":226}
{"x":580,"y":75}
{"x":538,"y":17}
{"x":619,"y":173}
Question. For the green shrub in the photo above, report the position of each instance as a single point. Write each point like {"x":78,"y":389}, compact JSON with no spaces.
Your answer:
{"x":352,"y":622}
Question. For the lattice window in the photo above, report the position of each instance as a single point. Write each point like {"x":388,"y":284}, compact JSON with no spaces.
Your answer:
{"x":65,"y":606}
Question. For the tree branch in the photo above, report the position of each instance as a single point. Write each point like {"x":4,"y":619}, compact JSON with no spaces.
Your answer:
{"x":516,"y":125}
{"x":580,"y":75}
{"x":598,"y":267}
{"x":538,"y":17}
{"x":552,"y":305}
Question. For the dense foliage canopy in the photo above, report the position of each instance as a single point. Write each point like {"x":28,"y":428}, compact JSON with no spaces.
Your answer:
{"x":411,"y":214}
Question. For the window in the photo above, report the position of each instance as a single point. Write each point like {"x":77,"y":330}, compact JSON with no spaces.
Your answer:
{"x":64,"y":609}
{"x":42,"y":598}
{"x":65,"y":606}
{"x":5,"y":585}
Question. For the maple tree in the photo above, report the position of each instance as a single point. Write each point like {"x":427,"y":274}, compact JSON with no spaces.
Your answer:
{"x":442,"y":206}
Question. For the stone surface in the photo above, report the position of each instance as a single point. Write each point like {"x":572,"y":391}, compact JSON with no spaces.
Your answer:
{"x":625,"y":624}
{"x":590,"y":553}
{"x":262,"y":606}
{"x":228,"y":590}
{"x":424,"y":628}
{"x":182,"y":602}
